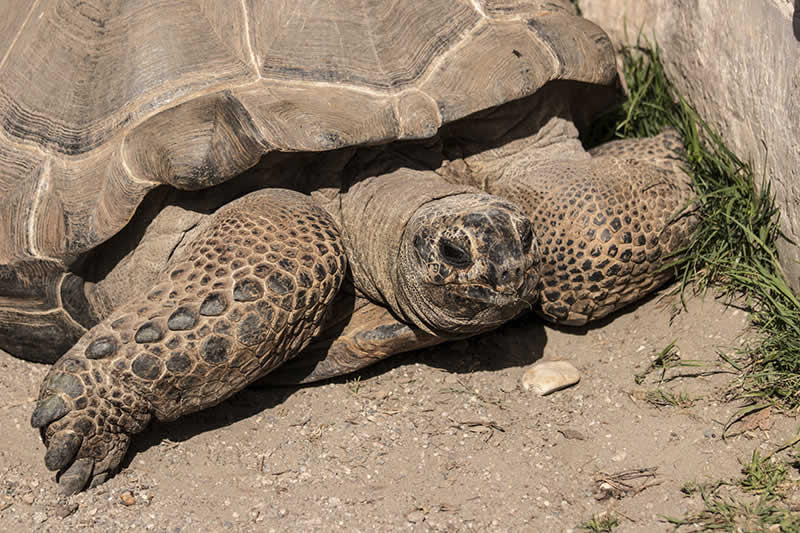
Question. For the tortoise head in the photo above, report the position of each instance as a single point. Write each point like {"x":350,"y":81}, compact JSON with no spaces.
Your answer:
{"x":468,"y":263}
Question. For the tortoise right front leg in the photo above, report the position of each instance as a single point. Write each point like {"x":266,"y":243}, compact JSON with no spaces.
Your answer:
{"x":369,"y":333}
{"x":248,"y":293}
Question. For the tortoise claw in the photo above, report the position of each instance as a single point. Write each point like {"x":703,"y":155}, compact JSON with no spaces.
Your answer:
{"x":49,"y":410}
{"x":75,"y":478}
{"x":62,"y":449}
{"x":83,"y":444}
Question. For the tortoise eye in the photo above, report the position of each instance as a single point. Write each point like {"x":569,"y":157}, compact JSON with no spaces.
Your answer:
{"x":454,"y":254}
{"x":525,"y":236}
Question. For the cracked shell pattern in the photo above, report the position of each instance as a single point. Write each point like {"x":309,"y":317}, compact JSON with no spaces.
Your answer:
{"x":247,"y":293}
{"x":604,"y":227}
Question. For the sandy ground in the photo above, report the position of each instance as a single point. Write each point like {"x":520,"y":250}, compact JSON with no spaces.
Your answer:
{"x":443,"y":439}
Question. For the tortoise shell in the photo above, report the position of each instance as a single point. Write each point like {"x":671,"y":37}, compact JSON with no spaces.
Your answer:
{"x":102,"y":101}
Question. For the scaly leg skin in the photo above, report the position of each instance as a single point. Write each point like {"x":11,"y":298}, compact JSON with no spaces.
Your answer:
{"x":362,"y":334}
{"x":664,"y":151}
{"x":246,"y":295}
{"x":605,"y":224}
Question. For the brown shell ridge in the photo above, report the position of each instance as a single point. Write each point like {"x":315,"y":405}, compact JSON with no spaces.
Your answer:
{"x":581,"y":50}
{"x":478,"y":7}
{"x":249,"y":38}
{"x":34,"y":214}
{"x":29,"y":201}
{"x":522,"y":9}
{"x":197,"y":144}
{"x":196,"y":130}
{"x":103,"y":85}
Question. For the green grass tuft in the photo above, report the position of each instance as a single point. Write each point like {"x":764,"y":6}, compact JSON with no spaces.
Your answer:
{"x":753,"y":503}
{"x":600,"y":524}
{"x":762,"y":475}
{"x":734,"y":250}
{"x":734,"y":247}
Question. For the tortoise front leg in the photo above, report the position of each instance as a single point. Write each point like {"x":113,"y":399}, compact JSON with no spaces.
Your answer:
{"x":357,"y":334}
{"x":606,"y":224}
{"x":248,"y":293}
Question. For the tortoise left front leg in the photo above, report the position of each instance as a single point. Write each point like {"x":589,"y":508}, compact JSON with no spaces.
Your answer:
{"x":606,"y":224}
{"x":248,"y":293}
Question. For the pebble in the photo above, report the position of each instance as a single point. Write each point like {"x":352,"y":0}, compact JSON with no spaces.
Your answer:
{"x":572,"y":434}
{"x":549,"y":376}
{"x":127,"y":498}
{"x":65,"y":509}
{"x":604,"y":492}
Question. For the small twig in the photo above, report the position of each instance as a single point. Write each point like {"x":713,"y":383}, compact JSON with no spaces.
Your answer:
{"x":471,"y":424}
{"x":618,"y":481}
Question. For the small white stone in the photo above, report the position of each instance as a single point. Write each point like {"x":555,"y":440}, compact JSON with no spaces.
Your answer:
{"x":549,"y":376}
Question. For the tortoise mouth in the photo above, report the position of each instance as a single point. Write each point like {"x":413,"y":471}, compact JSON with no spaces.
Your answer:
{"x":472,"y":308}
{"x":488,"y":303}
{"x":524,"y":289}
{"x":469,"y":307}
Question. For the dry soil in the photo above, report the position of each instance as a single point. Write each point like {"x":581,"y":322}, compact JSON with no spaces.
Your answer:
{"x":441,"y":439}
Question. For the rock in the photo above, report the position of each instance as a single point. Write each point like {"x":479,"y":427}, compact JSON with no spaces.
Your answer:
{"x":549,"y":376}
{"x":127,"y":498}
{"x":604,"y":491}
{"x":63,"y":510}
{"x":736,"y":62}
{"x":415,"y":517}
{"x":572,"y":434}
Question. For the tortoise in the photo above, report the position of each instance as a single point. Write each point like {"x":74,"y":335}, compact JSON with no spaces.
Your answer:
{"x":158,"y":242}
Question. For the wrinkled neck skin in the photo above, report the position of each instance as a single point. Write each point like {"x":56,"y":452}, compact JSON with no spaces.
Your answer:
{"x":372,"y":216}
{"x":393,"y":226}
